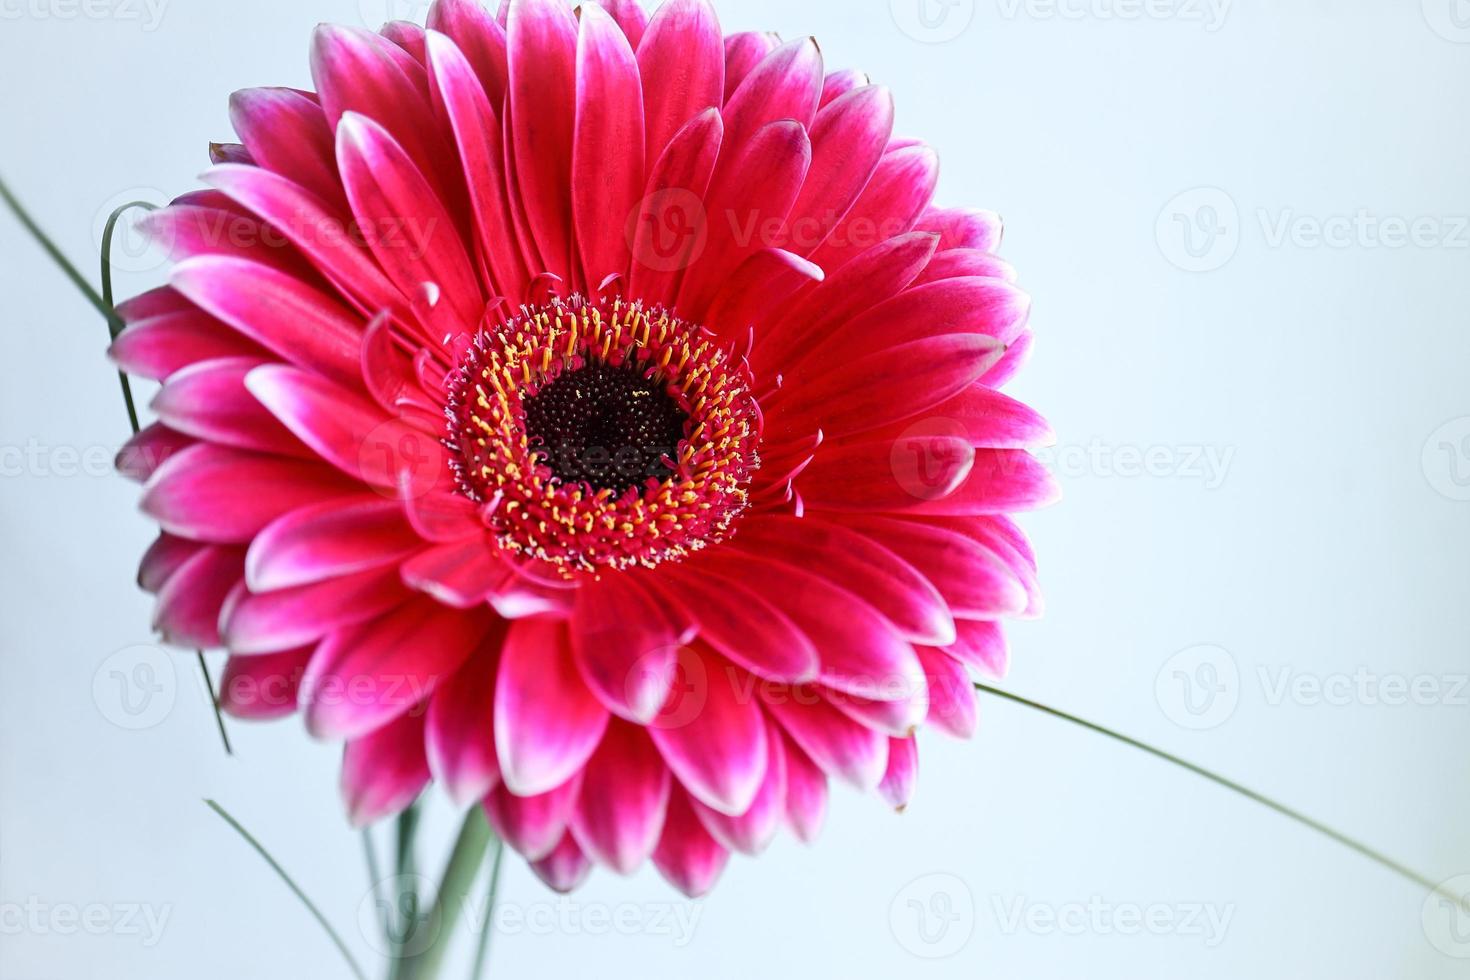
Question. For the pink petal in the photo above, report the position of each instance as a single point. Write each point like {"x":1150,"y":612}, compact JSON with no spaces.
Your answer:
{"x":159,"y":346}
{"x":865,"y":566}
{"x":625,"y":645}
{"x":208,"y":400}
{"x":533,"y":825}
{"x":838,"y":745}
{"x":287,"y":133}
{"x":712,"y":734}
{"x":166,"y":555}
{"x":872,"y":476}
{"x":848,"y":139}
{"x":277,"y":620}
{"x":951,"y":694}
{"x":547,"y":723}
{"x":786,"y":84}
{"x":806,"y":793}
{"x":982,"y":645}
{"x":366,"y":675}
{"x":686,"y":854}
{"x":481,"y":40}
{"x":671,"y":228}
{"x":1007,"y":366}
{"x":630,"y":18}
{"x":350,"y":432}
{"x":459,"y":96}
{"x":963,"y":227}
{"x":860,"y":652}
{"x":1001,"y":481}
{"x":211,"y":493}
{"x":607,"y":145}
{"x":957,"y":262}
{"x":306,"y":221}
{"x":682,"y":63}
{"x":752,"y":829}
{"x":839,"y":83}
{"x":757,"y":289}
{"x":890,"y":205}
{"x":974,"y":581}
{"x":187,"y":613}
{"x":461,"y":574}
{"x":875,"y":275}
{"x":262,"y":687}
{"x":746,"y":199}
{"x":853,"y":396}
{"x":147,"y":450}
{"x":743,"y":51}
{"x":542,"y":38}
{"x":280,"y":313}
{"x":897,"y":787}
{"x":334,"y":538}
{"x":460,"y":734}
{"x":565,"y":867}
{"x":406,"y":225}
{"x":737,"y":622}
{"x":986,"y":418}
{"x":385,"y":770}
{"x":625,"y":793}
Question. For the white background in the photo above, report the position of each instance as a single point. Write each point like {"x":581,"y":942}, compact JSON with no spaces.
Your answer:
{"x":1332,"y":542}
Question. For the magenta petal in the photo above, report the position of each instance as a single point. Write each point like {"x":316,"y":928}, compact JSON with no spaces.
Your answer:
{"x":262,"y":687}
{"x":625,"y":645}
{"x":625,"y":793}
{"x":385,"y":770}
{"x":712,"y":734}
{"x":686,"y":854}
{"x":208,"y":400}
{"x":757,"y":288}
{"x":848,"y":138}
{"x":147,"y":451}
{"x":547,"y":723}
{"x":751,"y":830}
{"x":897,"y":787}
{"x":406,"y":225}
{"x":951,"y":693}
{"x":275,"y":310}
{"x":963,"y":227}
{"x":630,"y":18}
{"x":287,"y":133}
{"x":982,"y":645}
{"x":840,"y":746}
{"x":607,"y":145}
{"x":806,"y":793}
{"x":974,"y":581}
{"x":786,"y":84}
{"x":366,"y":675}
{"x":1001,"y":481}
{"x":682,"y":64}
{"x":334,"y":538}
{"x":839,"y":83}
{"x":533,"y":825}
{"x":897,"y":194}
{"x":211,"y":493}
{"x":743,"y":51}
{"x":542,"y":38}
{"x":671,"y":228}
{"x":348,"y":431}
{"x":159,"y":346}
{"x":188,"y":608}
{"x":565,"y":867}
{"x":460,"y":734}
{"x":886,"y":475}
{"x":164,"y":556}
{"x":281,"y":619}
{"x":481,"y":40}
{"x":462,"y":574}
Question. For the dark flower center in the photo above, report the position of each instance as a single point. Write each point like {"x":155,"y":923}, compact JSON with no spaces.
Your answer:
{"x":610,"y":427}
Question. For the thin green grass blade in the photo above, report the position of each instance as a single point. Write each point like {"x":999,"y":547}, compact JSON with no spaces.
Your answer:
{"x":1382,"y":860}
{"x":280,"y":871}
{"x":482,"y":950}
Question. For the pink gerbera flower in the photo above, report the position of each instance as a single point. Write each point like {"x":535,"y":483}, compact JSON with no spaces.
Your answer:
{"x":592,"y":413}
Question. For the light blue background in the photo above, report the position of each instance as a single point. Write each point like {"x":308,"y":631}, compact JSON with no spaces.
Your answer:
{"x":1332,"y":541}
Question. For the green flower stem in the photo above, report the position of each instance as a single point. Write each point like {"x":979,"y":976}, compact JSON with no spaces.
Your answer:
{"x":459,"y":876}
{"x":482,"y":951}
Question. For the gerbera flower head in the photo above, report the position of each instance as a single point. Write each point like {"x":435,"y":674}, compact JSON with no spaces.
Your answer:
{"x":595,"y":414}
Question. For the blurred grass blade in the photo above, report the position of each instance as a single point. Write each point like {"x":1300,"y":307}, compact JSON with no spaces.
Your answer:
{"x":275,"y":866}
{"x":482,"y":951}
